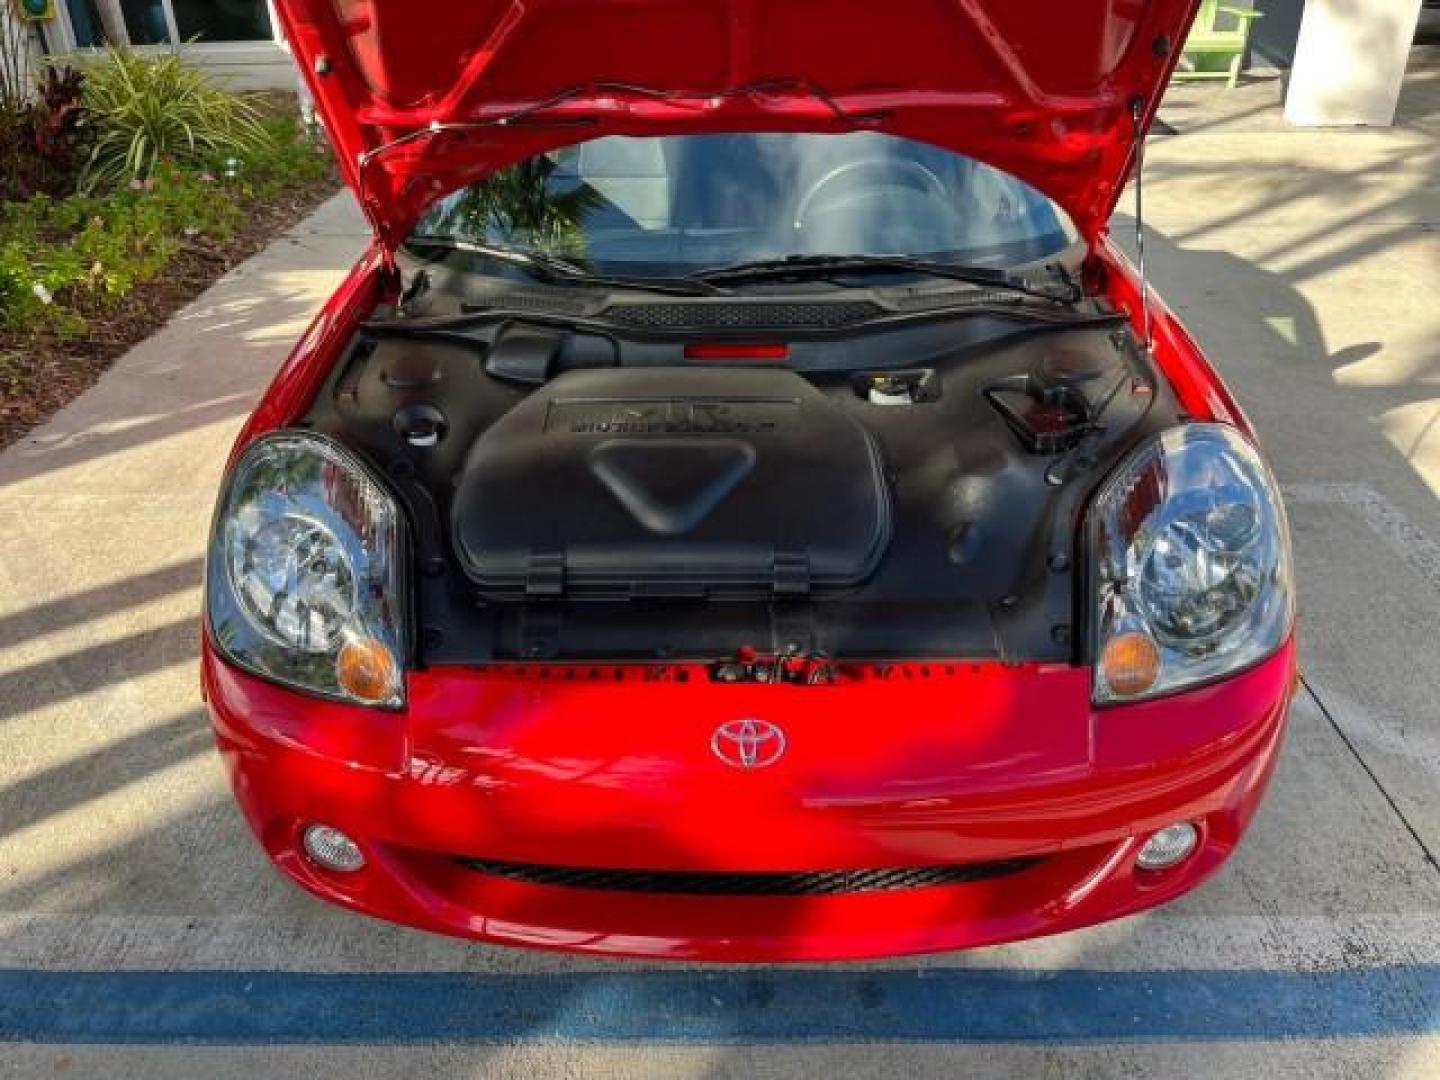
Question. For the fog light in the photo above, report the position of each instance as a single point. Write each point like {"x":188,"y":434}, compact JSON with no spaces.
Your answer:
{"x":332,"y":849}
{"x":1169,"y":847}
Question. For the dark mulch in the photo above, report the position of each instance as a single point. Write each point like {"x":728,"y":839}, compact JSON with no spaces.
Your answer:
{"x":41,"y":373}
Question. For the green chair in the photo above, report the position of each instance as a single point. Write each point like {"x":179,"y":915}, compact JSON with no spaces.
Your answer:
{"x":1215,"y":52}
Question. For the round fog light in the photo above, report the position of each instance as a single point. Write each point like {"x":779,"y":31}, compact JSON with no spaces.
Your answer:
{"x":1169,"y":847}
{"x":332,"y":849}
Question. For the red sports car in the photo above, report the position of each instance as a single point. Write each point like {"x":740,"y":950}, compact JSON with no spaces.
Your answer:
{"x":744,"y":506}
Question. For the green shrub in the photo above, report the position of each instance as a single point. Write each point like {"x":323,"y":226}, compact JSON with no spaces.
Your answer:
{"x":60,"y":258}
{"x":54,"y":253}
{"x":285,"y":160}
{"x":148,"y":109}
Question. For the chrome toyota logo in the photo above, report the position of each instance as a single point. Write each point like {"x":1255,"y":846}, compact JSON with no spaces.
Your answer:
{"x":748,"y":744}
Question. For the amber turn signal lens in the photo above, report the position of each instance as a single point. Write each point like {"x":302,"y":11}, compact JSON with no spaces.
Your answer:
{"x":1130,"y":663}
{"x":366,"y":669}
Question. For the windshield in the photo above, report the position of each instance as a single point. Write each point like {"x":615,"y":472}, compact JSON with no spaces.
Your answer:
{"x":683,"y":203}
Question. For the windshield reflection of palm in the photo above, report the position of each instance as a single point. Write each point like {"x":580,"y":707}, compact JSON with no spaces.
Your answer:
{"x":520,"y":202}
{"x":671,"y":206}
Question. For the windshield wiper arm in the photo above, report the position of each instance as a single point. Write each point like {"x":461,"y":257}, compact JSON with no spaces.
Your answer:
{"x":554,"y":270}
{"x":812,"y":266}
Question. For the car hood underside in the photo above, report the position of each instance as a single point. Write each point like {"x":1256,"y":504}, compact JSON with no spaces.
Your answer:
{"x":422,"y":101}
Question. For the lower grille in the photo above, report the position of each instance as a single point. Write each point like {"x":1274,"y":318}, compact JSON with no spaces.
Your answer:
{"x":755,"y":883}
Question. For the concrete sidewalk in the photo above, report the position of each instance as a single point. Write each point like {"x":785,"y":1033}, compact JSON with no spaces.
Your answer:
{"x":1307,"y":264}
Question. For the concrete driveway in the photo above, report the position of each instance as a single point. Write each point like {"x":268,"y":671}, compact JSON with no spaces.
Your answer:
{"x":138,"y":918}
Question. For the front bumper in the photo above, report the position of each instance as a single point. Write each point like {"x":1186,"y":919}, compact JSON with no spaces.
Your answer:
{"x":900,"y":766}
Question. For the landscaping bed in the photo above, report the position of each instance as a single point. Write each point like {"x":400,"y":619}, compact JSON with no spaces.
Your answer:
{"x":87,"y":274}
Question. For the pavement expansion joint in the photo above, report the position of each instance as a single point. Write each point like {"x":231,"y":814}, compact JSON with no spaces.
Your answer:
{"x":1430,"y":856}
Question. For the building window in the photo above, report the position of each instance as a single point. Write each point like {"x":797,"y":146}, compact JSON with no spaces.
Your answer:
{"x":85,"y":23}
{"x":94,"y":23}
{"x":222,"y":20}
{"x":145,"y":22}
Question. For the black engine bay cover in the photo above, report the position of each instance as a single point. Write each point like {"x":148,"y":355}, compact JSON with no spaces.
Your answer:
{"x":671,"y":483}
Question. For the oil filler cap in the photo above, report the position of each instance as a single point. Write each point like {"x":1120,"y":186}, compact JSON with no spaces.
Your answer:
{"x":421,"y":426}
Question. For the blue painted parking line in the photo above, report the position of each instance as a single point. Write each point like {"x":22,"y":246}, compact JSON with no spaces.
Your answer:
{"x":729,"y":1006}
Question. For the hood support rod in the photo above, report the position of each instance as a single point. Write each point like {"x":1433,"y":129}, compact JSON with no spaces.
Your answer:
{"x":1137,"y":119}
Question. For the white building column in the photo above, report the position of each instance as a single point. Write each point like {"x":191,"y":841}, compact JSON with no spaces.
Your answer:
{"x":17,"y":57}
{"x":1350,"y":62}
{"x":112,"y":18}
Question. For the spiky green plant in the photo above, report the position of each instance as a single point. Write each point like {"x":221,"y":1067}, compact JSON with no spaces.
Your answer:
{"x":148,"y":108}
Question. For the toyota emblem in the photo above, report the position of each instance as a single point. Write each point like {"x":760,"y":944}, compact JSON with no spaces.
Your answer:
{"x":748,"y":744}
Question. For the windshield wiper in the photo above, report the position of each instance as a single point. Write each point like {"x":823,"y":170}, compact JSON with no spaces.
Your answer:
{"x":554,"y":270}
{"x":819,"y":266}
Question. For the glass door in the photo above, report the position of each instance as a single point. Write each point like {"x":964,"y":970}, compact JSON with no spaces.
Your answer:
{"x":222,"y":20}
{"x":145,"y":22}
{"x":85,"y":24}
{"x":169,"y":22}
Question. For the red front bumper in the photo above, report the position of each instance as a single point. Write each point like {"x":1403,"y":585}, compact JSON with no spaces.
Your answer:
{"x":908,"y":766}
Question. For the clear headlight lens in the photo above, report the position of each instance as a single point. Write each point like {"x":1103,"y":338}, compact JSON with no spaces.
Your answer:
{"x":305,"y":582}
{"x":1192,"y":564}
{"x":294,"y":580}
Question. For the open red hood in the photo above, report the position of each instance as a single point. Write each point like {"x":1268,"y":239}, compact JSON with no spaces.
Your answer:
{"x":424,"y":97}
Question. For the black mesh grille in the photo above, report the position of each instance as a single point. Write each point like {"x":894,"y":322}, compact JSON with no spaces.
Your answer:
{"x":924,"y":301}
{"x":566,"y":302}
{"x":723,"y":316}
{"x":768,"y":883}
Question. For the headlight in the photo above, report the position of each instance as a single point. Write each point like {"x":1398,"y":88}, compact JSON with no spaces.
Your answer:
{"x":1191,"y":564}
{"x":305,"y":581}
